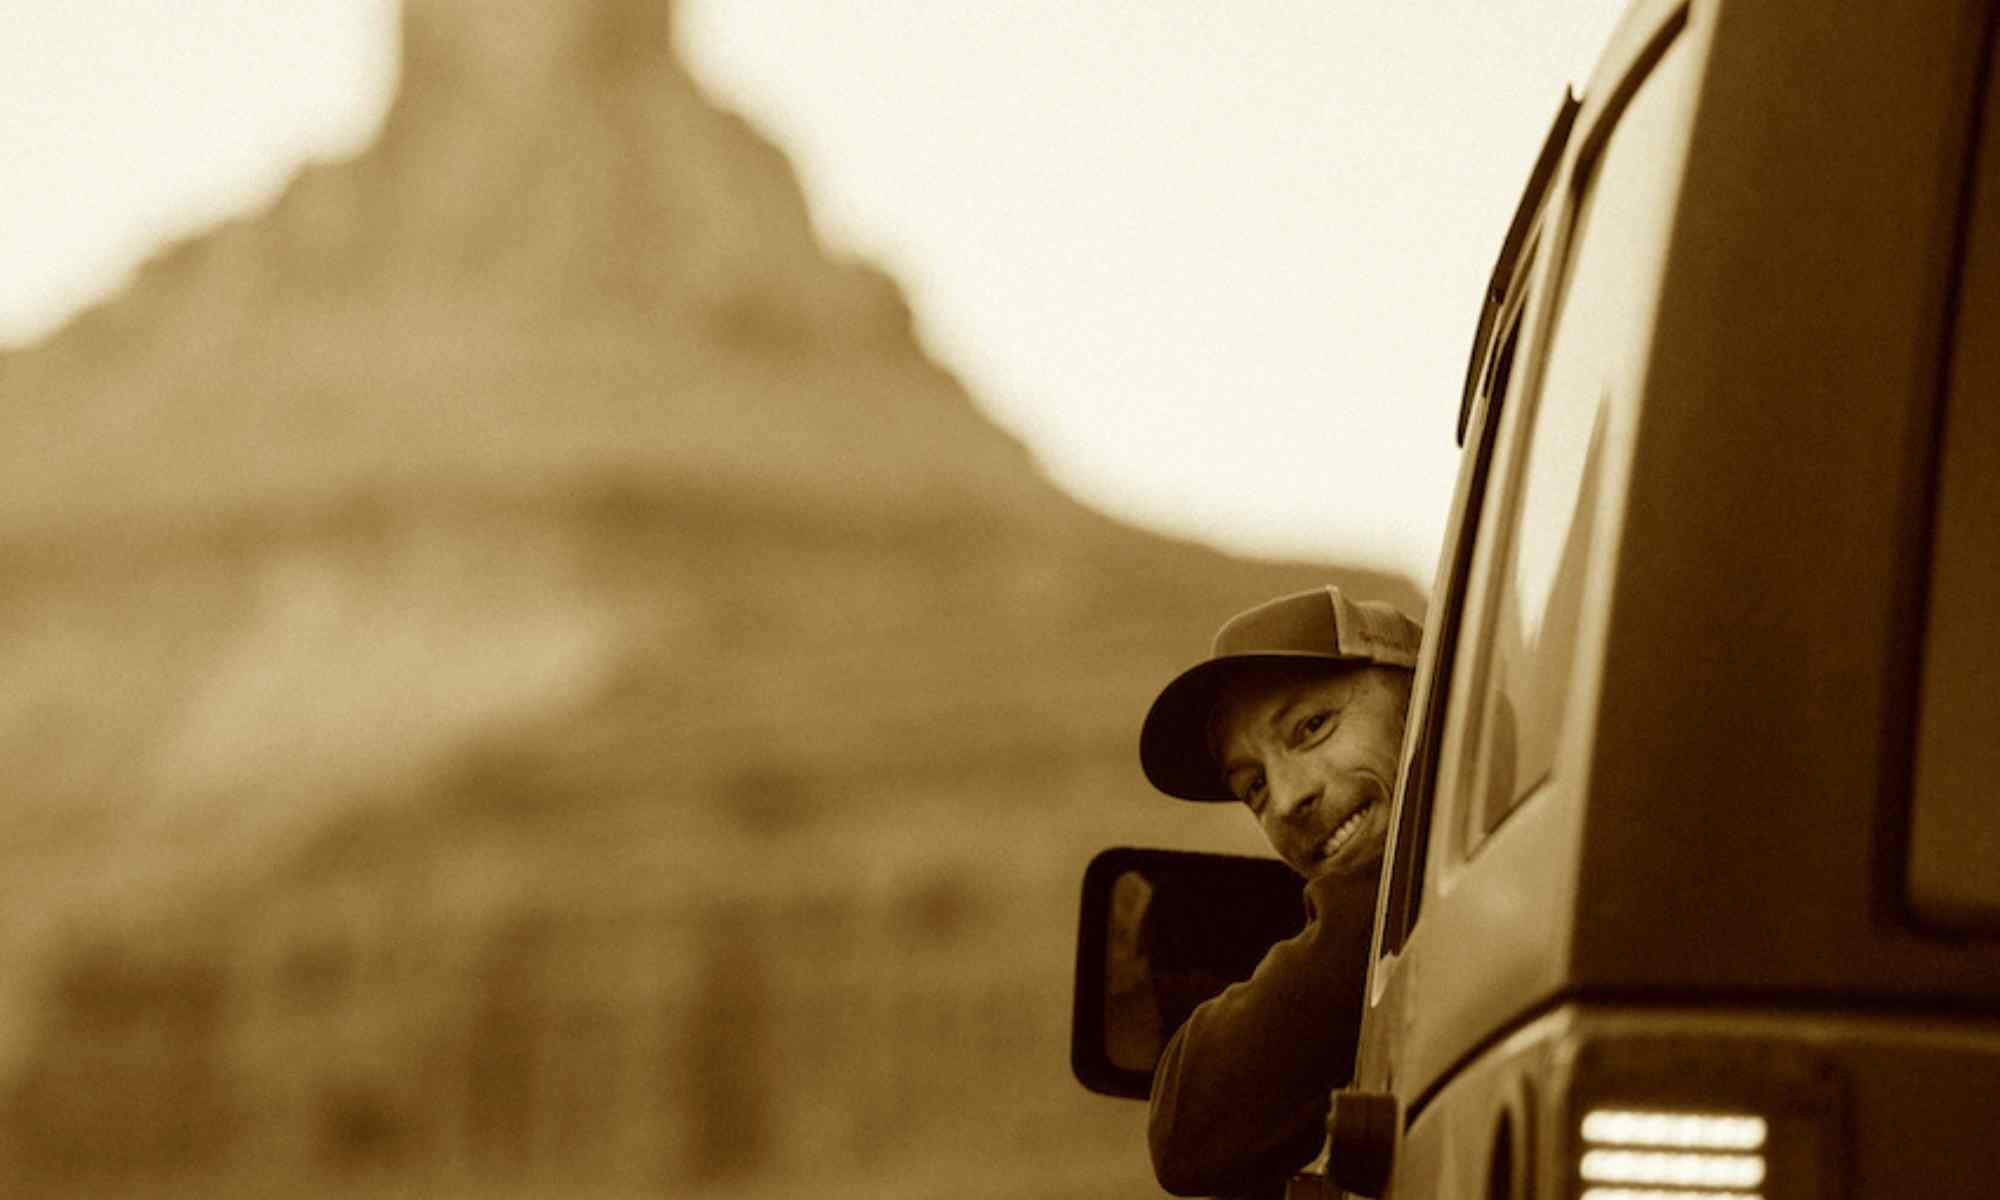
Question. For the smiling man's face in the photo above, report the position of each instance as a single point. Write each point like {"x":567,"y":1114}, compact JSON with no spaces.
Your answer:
{"x":1312,"y":752}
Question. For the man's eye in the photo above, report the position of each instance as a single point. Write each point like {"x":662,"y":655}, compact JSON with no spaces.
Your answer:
{"x":1253,"y":792}
{"x":1312,"y":725}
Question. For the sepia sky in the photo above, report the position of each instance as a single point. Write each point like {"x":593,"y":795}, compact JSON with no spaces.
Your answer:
{"x":1216,"y":264}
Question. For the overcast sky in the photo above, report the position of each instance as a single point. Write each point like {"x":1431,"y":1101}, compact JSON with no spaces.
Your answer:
{"x":1217,"y":264}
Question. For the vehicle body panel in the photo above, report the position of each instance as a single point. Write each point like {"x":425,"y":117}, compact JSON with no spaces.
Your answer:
{"x":1756,"y":695}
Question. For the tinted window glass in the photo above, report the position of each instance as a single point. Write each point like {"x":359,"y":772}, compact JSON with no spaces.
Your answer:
{"x":1595,"y":350}
{"x":1413,"y":828}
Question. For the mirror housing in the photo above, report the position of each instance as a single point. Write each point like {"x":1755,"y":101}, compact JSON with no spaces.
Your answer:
{"x":1160,"y":931}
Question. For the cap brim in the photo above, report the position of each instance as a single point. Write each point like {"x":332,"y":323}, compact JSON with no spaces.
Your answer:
{"x":1173,"y":741}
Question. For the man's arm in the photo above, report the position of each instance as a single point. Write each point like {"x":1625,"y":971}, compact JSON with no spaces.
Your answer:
{"x":1241,"y":1093}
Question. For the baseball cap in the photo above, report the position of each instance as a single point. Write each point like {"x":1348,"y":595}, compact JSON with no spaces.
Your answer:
{"x":1319,"y":624}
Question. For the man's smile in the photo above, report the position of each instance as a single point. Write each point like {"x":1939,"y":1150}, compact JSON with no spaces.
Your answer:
{"x":1348,"y":843}
{"x":1345,"y":831}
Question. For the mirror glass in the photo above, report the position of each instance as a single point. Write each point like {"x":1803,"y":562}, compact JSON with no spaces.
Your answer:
{"x":1133,"y":1035}
{"x":1177,"y":930}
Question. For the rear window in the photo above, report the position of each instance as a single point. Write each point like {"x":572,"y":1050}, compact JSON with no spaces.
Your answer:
{"x":1954,"y":865}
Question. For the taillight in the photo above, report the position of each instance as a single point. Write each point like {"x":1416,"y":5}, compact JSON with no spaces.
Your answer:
{"x":1687,"y":1118}
{"x":1631,"y":1154}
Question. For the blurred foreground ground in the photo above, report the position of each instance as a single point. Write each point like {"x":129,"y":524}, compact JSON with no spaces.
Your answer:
{"x":523,"y":680}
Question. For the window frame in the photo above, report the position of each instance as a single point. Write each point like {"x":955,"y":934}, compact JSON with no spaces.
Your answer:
{"x":1493,"y":363}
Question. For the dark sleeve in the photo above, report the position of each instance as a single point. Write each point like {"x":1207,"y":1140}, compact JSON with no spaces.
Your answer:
{"x":1241,"y":1093}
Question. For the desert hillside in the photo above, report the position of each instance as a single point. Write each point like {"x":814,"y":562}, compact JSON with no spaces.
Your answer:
{"x":524,"y":679}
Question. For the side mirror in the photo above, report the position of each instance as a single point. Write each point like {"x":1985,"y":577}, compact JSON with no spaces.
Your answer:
{"x":1161,"y":931}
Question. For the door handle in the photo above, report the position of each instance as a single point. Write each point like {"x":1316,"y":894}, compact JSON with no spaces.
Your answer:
{"x":1361,"y":1134}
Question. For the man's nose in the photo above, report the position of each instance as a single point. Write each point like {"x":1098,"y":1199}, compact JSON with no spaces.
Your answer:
{"x":1294,"y":796}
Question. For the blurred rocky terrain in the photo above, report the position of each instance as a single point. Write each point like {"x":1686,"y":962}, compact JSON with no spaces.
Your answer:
{"x":522,"y":678}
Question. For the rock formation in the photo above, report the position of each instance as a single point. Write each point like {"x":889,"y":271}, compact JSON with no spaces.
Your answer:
{"x":521,"y":674}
